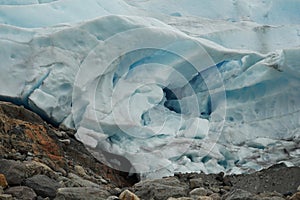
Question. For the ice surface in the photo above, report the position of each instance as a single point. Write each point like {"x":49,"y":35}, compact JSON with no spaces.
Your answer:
{"x":169,"y":85}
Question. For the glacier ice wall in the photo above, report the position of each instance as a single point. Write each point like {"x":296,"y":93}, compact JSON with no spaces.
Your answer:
{"x":170,"y":86}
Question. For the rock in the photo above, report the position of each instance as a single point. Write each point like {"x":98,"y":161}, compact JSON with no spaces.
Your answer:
{"x":190,"y":198}
{"x":127,"y":195}
{"x":81,"y":193}
{"x":77,"y":181}
{"x":215,"y":196}
{"x":198,"y":192}
{"x":112,"y":198}
{"x":116,"y":191}
{"x":60,"y":134}
{"x":3,"y":182}
{"x":6,"y":197}
{"x":41,"y":198}
{"x":161,"y":192}
{"x":103,"y":181}
{"x":25,"y":136}
{"x":239,"y":194}
{"x":215,"y":189}
{"x":42,"y":185}
{"x":196,"y":183}
{"x":298,"y":189}
{"x":296,"y":196}
{"x":161,"y":189}
{"x":271,"y":198}
{"x":278,"y":178}
{"x":36,"y":168}
{"x":209,"y":192}
{"x":80,"y":171}
{"x":222,"y":191}
{"x":14,"y":171}
{"x":21,"y":192}
{"x":226,"y":187}
{"x":65,"y":141}
{"x":203,"y":198}
{"x":1,"y":190}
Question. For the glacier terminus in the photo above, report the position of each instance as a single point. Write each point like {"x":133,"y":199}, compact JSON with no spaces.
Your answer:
{"x":167,"y":86}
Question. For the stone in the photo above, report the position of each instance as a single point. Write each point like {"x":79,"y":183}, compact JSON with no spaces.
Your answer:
{"x":215,"y":189}
{"x":77,"y":181}
{"x":128,"y":195}
{"x":103,"y":181}
{"x":36,"y":168}
{"x":42,"y":185}
{"x":226,"y":187}
{"x":298,"y":189}
{"x":21,"y":192}
{"x":6,"y":197}
{"x":209,"y":192}
{"x":14,"y":171}
{"x":296,"y":196}
{"x":161,"y":192}
{"x":60,"y":133}
{"x":161,"y":189}
{"x":65,"y":141}
{"x":3,"y":181}
{"x":180,"y":198}
{"x":79,"y":193}
{"x":222,"y":191}
{"x":203,"y":198}
{"x":41,"y":198}
{"x":239,"y":194}
{"x":215,"y":196}
{"x":80,"y":171}
{"x":112,"y":198}
{"x":271,"y":198}
{"x":196,"y":183}
{"x":198,"y":192}
{"x":116,"y":191}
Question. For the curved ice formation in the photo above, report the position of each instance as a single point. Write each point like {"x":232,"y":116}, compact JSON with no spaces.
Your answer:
{"x":184,"y":87}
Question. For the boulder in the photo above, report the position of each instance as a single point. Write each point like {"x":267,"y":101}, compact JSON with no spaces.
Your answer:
{"x":196,"y":182}
{"x":161,"y":189}
{"x":80,"y":193}
{"x":128,"y":195}
{"x":6,"y":197}
{"x":296,"y":196}
{"x":14,"y":171}
{"x":198,"y":192}
{"x":42,"y":185}
{"x":239,"y":194}
{"x":22,"y":192}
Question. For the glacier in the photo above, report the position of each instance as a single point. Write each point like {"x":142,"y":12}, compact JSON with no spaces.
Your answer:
{"x":170,"y":86}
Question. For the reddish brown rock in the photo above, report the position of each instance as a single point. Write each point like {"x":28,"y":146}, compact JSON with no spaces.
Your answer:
{"x":3,"y":182}
{"x":127,"y":195}
{"x":296,"y":196}
{"x":24,"y":135}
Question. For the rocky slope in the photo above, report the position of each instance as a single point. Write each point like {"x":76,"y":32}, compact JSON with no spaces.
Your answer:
{"x":34,"y":154}
{"x":39,"y":161}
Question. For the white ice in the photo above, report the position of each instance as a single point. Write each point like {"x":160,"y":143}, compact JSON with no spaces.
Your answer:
{"x":170,"y":85}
